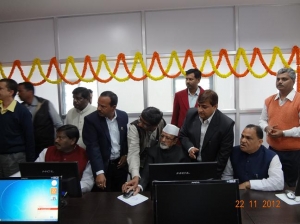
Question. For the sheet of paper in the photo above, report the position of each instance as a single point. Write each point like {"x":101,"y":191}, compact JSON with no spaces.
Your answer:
{"x":284,"y":198}
{"x":133,"y":200}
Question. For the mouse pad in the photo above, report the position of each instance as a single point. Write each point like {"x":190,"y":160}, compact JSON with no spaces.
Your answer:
{"x":133,"y":200}
{"x":284,"y":198}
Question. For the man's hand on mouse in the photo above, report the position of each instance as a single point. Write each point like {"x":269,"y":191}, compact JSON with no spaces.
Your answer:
{"x":131,"y":185}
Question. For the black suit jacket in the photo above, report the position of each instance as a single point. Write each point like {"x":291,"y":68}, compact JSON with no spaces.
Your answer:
{"x":96,"y":137}
{"x":218,"y":140}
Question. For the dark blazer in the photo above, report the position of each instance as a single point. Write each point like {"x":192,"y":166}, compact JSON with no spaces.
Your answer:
{"x":181,"y":106}
{"x":96,"y":137}
{"x":218,"y":140}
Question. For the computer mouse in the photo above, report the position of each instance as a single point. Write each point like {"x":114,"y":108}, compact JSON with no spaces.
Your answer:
{"x":290,"y":194}
{"x":128,"y":194}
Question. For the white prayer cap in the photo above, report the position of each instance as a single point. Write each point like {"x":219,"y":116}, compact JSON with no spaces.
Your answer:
{"x":171,"y":129}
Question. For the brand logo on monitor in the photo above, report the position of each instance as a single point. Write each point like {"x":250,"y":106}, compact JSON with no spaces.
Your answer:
{"x":182,"y":173}
{"x":47,"y":171}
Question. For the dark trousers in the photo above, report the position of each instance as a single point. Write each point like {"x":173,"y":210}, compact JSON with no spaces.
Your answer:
{"x":115,"y":177}
{"x":9,"y":163}
{"x":290,"y":161}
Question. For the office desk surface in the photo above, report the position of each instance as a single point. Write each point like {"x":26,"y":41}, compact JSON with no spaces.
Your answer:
{"x":269,"y":208}
{"x":105,"y":208}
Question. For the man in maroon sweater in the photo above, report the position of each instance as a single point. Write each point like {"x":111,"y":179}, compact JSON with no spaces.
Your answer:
{"x":67,"y":150}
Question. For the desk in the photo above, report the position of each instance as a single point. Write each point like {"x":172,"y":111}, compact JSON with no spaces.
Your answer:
{"x":269,"y":209}
{"x":105,"y":208}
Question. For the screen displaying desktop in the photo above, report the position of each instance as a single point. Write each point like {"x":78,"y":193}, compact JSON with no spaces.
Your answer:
{"x":29,"y":200}
{"x":67,"y":170}
{"x":191,"y":202}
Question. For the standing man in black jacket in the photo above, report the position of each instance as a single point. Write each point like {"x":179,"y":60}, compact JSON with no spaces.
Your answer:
{"x":105,"y":136}
{"x":44,"y":117}
{"x":207,"y":133}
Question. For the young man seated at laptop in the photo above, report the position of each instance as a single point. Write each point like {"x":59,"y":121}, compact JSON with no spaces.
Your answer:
{"x":255,"y":166}
{"x":67,"y":150}
{"x":166,"y":151}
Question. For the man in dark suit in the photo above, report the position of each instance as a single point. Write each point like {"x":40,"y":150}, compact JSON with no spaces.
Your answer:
{"x":105,"y":136}
{"x":207,"y":134}
{"x":186,"y":98}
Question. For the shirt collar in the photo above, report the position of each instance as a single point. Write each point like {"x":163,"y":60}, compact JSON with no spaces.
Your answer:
{"x":11,"y":107}
{"x":196,"y":93}
{"x":290,"y":96}
{"x":208,"y":119}
{"x":85,"y":109}
{"x":33,"y":103}
{"x":114,"y":118}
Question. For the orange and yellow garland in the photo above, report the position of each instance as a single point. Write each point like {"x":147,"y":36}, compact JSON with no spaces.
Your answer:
{"x":138,"y":59}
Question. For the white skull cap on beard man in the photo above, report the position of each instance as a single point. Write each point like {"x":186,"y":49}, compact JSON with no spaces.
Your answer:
{"x":171,"y":129}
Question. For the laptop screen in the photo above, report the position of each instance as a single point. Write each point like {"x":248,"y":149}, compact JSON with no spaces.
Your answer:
{"x":191,"y":202}
{"x":67,"y":170}
{"x":33,"y":200}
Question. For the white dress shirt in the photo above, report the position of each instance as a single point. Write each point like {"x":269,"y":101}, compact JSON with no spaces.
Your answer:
{"x":193,"y":98}
{"x":133,"y":157}
{"x":204,"y":126}
{"x":76,"y":117}
{"x":114,"y":134}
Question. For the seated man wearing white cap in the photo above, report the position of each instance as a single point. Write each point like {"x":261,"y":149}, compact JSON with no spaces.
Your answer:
{"x":166,"y":151}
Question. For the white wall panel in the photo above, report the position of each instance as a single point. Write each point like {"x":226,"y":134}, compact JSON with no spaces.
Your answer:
{"x":108,"y":34}
{"x":27,"y":40}
{"x":269,"y":26}
{"x":195,"y":29}
{"x":130,"y":94}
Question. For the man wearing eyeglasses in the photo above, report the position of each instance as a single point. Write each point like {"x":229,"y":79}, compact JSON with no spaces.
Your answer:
{"x":166,"y":151}
{"x":207,"y":133}
{"x":142,"y":134}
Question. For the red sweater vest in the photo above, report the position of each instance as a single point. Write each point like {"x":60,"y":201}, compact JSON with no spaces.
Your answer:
{"x":285,"y":117}
{"x":78,"y":155}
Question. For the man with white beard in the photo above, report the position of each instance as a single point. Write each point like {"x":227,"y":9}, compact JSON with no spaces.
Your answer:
{"x":166,"y":151}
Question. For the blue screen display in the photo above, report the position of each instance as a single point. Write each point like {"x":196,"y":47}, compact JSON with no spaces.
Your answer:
{"x":29,"y":199}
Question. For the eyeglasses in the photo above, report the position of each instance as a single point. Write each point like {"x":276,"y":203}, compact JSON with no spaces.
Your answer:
{"x":166,"y":137}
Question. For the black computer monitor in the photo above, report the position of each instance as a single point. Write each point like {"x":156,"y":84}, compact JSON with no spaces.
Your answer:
{"x":190,"y":202}
{"x":182,"y":171}
{"x":67,"y":170}
{"x":30,"y":200}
